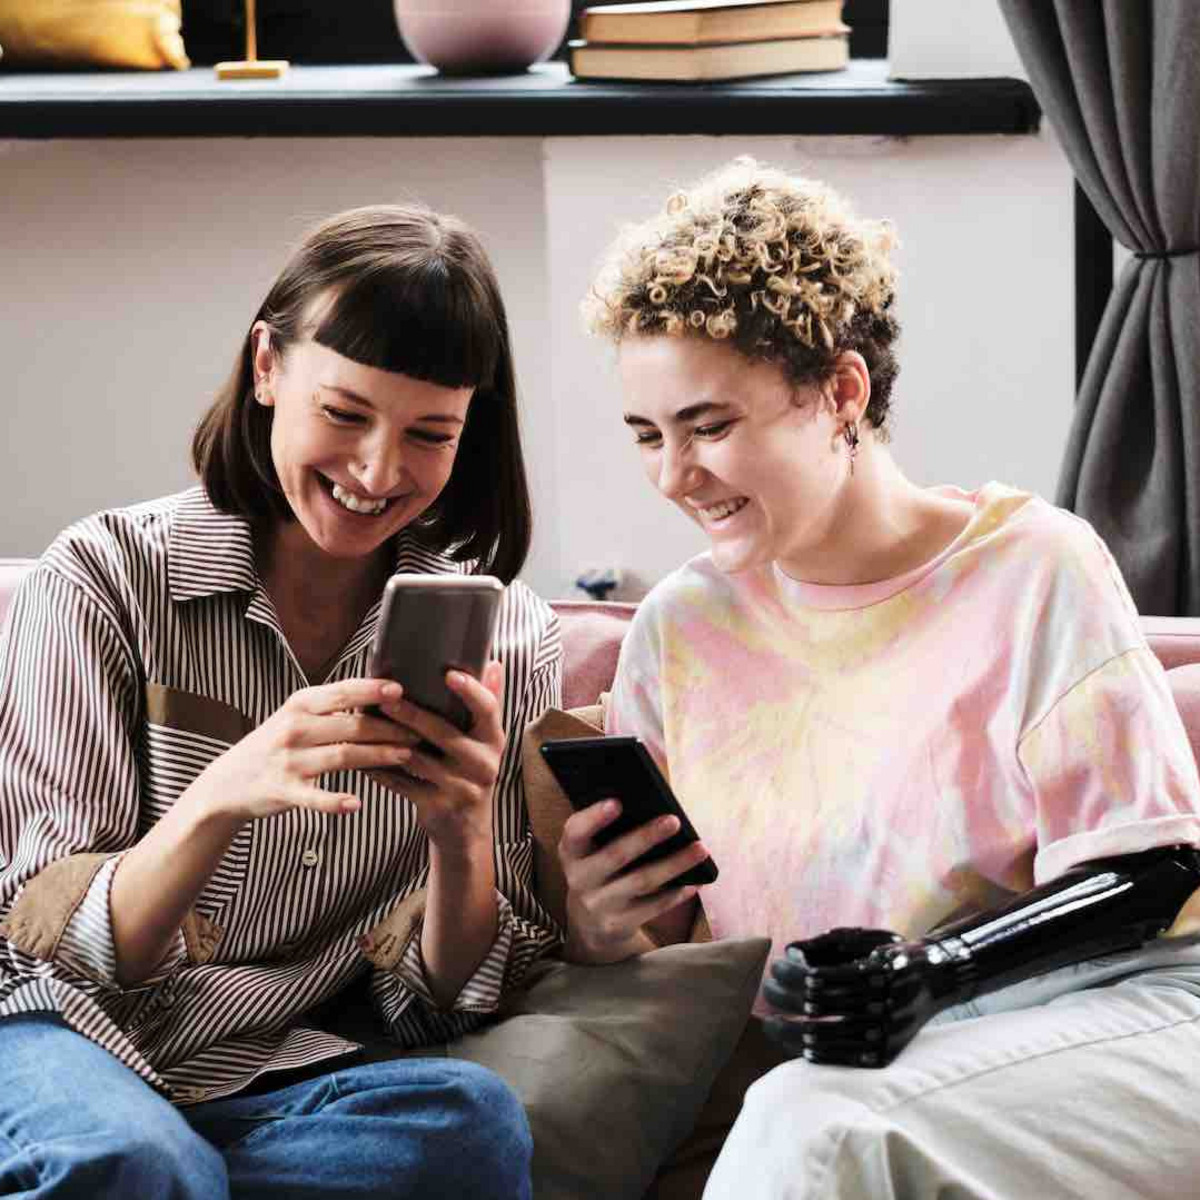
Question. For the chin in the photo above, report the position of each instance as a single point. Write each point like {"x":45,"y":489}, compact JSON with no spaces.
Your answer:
{"x":732,"y":559}
{"x":336,"y":544}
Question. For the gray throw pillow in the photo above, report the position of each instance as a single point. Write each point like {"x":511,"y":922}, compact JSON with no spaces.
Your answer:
{"x":614,"y":1062}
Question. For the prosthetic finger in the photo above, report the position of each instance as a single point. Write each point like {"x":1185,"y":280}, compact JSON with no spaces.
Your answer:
{"x":856,"y":1043}
{"x":848,"y":1002}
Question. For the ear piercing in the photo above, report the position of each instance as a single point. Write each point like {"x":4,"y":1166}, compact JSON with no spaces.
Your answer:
{"x":850,"y":436}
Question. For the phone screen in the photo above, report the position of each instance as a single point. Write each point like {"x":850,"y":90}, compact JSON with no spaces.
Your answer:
{"x":431,"y":624}
{"x":592,"y":769}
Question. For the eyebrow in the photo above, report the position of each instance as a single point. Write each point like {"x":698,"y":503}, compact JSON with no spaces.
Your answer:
{"x":351,"y":394}
{"x":690,"y":413}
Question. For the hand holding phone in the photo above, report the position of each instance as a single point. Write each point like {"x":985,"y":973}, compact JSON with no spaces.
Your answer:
{"x":593,"y":769}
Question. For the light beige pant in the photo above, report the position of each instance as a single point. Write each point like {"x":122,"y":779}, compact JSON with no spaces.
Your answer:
{"x":1084,"y":1082}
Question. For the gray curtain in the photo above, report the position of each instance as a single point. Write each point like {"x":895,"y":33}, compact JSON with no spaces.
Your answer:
{"x":1119,"y":80}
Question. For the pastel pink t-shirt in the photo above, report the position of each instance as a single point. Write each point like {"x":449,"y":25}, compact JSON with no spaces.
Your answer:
{"x":894,"y":754}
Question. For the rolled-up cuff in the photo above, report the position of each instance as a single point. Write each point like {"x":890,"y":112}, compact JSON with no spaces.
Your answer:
{"x":395,"y":946}
{"x":62,"y":912}
{"x":84,"y":943}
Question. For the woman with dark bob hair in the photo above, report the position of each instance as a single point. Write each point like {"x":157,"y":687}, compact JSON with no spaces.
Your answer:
{"x":918,"y":728}
{"x":216,"y":833}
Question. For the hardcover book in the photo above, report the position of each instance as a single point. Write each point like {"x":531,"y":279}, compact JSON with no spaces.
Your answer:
{"x":726,"y":60}
{"x":700,"y":22}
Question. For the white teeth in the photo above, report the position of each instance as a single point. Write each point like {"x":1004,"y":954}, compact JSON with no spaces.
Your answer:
{"x":356,"y":504}
{"x":725,"y":509}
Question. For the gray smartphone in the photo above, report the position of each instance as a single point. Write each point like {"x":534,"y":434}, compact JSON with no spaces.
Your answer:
{"x":431,"y":624}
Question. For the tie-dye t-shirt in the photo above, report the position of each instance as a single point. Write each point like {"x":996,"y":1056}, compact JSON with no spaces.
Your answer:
{"x":896,"y":753}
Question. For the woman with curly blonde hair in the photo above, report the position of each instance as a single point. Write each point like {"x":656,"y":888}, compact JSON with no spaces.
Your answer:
{"x":918,"y":728}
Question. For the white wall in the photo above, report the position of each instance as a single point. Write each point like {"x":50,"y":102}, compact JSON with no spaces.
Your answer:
{"x":965,"y":39}
{"x":129,"y":269}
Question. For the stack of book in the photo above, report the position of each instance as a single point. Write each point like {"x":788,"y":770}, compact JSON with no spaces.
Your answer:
{"x":696,"y":40}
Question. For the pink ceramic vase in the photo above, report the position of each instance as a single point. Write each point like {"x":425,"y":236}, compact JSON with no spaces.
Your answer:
{"x":464,"y":37}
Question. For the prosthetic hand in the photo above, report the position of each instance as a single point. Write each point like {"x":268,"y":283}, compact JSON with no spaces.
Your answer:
{"x":857,"y":997}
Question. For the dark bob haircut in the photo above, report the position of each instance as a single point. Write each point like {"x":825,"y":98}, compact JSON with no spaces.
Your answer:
{"x":410,"y":291}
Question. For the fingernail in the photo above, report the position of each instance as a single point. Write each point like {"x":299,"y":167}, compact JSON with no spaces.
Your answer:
{"x":456,"y":676}
{"x":611,"y":808}
{"x":392,"y":690}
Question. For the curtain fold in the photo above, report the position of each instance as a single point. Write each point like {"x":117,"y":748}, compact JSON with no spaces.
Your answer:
{"x":1120,"y":82}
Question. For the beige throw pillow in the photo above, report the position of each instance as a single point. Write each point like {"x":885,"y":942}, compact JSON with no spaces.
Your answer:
{"x":108,"y":33}
{"x":548,"y":806}
{"x":614,"y":1063}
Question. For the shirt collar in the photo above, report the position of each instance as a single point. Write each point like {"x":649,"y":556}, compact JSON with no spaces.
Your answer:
{"x":210,"y":551}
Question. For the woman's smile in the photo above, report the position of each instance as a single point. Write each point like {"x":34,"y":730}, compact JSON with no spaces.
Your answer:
{"x":356,"y":502}
{"x":719,"y":514}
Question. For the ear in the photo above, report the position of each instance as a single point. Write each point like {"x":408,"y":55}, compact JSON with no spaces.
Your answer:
{"x":850,"y":386}
{"x":264,"y":363}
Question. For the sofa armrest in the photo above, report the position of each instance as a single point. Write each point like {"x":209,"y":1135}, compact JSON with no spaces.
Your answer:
{"x":1176,"y":640}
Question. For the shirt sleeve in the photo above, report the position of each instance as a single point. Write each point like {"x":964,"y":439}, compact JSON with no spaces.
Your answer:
{"x":525,"y":931}
{"x":635,"y":704}
{"x":69,"y":711}
{"x":1110,"y":768}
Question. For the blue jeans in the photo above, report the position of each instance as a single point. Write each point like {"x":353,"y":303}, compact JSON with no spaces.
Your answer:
{"x":75,"y":1123}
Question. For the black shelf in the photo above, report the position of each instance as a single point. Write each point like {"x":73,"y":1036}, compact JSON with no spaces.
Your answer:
{"x":401,"y":100}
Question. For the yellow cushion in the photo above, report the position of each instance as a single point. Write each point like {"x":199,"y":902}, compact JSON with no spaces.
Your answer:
{"x":109,"y":33}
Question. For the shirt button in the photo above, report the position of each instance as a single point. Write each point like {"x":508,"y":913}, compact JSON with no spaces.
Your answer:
{"x":310,"y":857}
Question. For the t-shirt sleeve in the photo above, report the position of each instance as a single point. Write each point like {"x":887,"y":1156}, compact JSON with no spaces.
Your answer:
{"x":1110,"y":768}
{"x":634,"y":707}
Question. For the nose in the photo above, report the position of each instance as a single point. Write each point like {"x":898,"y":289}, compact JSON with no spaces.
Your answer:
{"x":676,"y":472}
{"x":378,"y":465}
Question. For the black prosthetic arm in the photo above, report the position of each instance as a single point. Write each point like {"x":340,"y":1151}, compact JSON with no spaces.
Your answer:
{"x":857,"y":997}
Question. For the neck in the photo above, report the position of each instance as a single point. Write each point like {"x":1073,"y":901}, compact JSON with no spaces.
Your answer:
{"x":880,"y":525}
{"x":300,"y":576}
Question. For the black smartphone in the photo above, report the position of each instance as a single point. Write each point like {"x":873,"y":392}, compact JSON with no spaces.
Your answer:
{"x":591,"y":769}
{"x":431,"y":624}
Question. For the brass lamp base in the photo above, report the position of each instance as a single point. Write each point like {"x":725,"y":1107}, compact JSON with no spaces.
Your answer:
{"x":259,"y":68}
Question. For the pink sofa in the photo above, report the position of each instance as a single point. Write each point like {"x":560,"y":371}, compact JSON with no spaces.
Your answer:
{"x":592,"y":633}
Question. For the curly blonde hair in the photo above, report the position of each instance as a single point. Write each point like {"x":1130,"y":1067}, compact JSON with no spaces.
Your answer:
{"x":777,"y":265}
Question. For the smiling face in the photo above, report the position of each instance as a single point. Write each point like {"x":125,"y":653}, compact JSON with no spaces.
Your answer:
{"x":755,"y":461}
{"x":359,"y":452}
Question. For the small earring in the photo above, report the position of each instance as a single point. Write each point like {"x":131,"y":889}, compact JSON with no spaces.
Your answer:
{"x":850,"y":436}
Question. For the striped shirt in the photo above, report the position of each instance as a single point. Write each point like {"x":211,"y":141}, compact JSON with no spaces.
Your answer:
{"x":139,"y":649}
